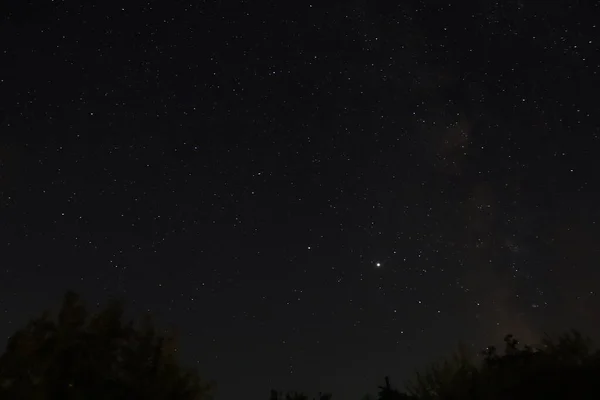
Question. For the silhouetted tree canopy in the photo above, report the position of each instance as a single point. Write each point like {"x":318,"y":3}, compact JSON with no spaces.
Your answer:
{"x":567,"y":368}
{"x":79,"y":356}
{"x":83,"y":356}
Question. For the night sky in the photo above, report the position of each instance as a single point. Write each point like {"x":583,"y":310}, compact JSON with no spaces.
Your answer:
{"x":315,"y":195}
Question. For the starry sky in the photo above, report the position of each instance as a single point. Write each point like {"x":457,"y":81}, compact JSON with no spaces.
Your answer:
{"x":315,"y":195}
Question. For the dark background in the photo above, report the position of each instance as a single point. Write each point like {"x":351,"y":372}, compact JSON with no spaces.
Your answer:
{"x":315,"y":195}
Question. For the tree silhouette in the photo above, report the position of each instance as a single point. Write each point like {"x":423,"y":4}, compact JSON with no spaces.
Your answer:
{"x":388,"y":393}
{"x":451,"y":378}
{"x":566,"y":368}
{"x":78,"y":356}
{"x":94,"y":357}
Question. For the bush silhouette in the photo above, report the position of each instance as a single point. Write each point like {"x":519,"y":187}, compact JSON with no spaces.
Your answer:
{"x":94,"y":357}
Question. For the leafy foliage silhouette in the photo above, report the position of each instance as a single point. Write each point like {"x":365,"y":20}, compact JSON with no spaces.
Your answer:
{"x":94,"y":357}
{"x":564,"y":369}
{"x":78,"y":356}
